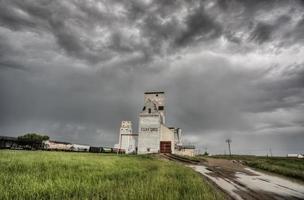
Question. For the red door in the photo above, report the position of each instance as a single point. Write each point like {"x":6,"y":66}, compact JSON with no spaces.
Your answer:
{"x":165,"y":147}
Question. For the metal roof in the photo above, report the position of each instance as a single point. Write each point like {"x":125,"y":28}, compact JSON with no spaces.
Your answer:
{"x":153,"y":92}
{"x":187,"y":147}
{"x":8,"y":138}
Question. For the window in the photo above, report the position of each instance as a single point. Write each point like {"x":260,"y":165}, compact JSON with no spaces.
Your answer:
{"x":157,"y":95}
{"x":148,"y":149}
{"x":144,"y":108}
{"x":160,"y":107}
{"x":149,"y":110}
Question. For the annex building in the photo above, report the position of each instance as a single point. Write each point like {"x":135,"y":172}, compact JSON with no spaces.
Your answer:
{"x":127,"y":139}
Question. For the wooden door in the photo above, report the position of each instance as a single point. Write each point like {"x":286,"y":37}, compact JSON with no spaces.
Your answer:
{"x":165,"y":147}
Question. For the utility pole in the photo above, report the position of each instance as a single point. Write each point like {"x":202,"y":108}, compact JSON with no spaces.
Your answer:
{"x":270,"y":151}
{"x":228,"y":142}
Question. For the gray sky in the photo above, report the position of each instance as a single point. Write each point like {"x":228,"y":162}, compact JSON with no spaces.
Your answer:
{"x":74,"y":69}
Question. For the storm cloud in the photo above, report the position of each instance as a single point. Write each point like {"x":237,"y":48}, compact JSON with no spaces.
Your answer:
{"x":230,"y":69}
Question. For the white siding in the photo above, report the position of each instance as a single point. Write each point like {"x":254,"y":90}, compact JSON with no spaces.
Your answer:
{"x":128,"y":143}
{"x":127,"y":140}
{"x":185,"y":152}
{"x":167,"y":135}
{"x":149,"y":134}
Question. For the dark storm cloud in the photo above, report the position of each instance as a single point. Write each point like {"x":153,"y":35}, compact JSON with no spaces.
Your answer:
{"x":75,"y":69}
{"x":250,"y":8}
{"x":264,"y":32}
{"x":298,"y":32}
{"x":8,"y":55}
{"x":220,"y":94}
{"x":12,"y":19}
{"x":286,"y":92}
{"x":200,"y":26}
{"x":59,"y":19}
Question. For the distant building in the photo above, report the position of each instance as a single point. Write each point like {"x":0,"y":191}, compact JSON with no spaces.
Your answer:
{"x":127,"y":139}
{"x":8,"y":142}
{"x":186,"y":150}
{"x":56,"y":145}
{"x":295,"y":155}
{"x":80,"y":147}
{"x":64,"y":146}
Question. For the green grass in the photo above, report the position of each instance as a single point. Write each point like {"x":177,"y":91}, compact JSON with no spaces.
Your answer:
{"x":65,"y":175}
{"x":289,"y":167}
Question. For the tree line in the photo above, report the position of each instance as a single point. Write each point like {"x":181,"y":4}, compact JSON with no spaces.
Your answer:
{"x":32,"y":140}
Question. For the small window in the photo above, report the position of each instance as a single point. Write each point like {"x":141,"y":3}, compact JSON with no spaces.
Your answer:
{"x":149,"y":110}
{"x":157,"y":95}
{"x":148,"y":149}
{"x":160,"y":107}
{"x":144,"y":108}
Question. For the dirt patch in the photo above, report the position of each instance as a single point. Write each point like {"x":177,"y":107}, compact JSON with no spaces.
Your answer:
{"x":226,"y":167}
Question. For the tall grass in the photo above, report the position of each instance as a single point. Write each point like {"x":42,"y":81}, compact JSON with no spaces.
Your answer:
{"x":289,"y":167}
{"x":64,"y":175}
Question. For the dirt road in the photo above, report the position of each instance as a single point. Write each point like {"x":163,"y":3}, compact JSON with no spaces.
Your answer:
{"x":241,"y":182}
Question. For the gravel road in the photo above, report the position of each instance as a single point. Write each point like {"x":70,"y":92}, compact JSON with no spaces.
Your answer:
{"x":241,"y":182}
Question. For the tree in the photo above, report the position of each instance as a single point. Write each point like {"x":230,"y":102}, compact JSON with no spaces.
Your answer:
{"x":32,"y":140}
{"x":33,"y":137}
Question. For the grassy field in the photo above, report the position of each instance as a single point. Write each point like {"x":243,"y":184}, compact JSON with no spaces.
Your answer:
{"x":289,"y":167}
{"x":65,"y":175}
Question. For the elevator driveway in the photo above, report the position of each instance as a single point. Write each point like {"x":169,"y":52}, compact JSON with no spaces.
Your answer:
{"x":240,"y":182}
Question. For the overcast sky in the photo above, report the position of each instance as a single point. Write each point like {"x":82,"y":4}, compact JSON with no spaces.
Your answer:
{"x":73,"y":69}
